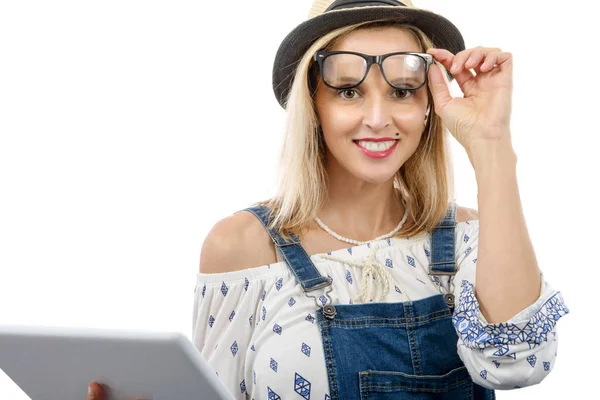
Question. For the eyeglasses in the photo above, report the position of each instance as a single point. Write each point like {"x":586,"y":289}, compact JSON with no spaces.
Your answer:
{"x":347,"y":69}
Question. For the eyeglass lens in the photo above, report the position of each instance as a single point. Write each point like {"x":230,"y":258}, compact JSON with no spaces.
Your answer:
{"x":403,"y":71}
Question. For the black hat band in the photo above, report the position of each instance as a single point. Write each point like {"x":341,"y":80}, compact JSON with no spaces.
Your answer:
{"x":341,"y":4}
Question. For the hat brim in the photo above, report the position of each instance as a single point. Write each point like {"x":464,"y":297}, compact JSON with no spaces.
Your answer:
{"x":440,"y":30}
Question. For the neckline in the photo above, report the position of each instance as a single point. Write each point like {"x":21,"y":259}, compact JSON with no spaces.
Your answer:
{"x":393,"y":241}
{"x":281,"y":266}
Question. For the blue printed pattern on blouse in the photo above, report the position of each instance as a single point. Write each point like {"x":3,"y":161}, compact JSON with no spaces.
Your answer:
{"x":302,"y":386}
{"x":306,"y":349}
{"x":273,"y":395}
{"x":274,"y":365}
{"x":503,"y":335}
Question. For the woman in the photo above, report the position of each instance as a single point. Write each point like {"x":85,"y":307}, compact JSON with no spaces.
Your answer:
{"x":363,"y":283}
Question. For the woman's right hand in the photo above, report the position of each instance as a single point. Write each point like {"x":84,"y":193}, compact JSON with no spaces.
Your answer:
{"x":97,"y":391}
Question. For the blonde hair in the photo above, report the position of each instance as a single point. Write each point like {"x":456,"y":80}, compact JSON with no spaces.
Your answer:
{"x":425,"y":181}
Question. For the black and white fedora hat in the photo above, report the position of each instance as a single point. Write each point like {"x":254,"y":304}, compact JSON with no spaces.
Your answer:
{"x":327,"y":15}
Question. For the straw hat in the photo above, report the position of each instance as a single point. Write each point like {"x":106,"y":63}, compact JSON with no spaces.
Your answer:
{"x":327,"y":15}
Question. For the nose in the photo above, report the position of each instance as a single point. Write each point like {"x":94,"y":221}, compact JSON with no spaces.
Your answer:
{"x":377,"y":105}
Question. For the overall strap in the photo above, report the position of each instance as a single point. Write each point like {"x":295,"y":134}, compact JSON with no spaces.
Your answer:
{"x":443,"y":258}
{"x":293,"y":253}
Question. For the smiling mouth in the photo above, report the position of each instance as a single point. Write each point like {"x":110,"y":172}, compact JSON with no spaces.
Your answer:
{"x":376,"y":146}
{"x":377,"y":150}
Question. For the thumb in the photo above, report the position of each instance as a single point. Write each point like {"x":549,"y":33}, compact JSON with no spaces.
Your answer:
{"x":439,"y":88}
{"x":95,"y":392}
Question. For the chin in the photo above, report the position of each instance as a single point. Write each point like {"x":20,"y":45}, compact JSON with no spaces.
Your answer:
{"x":376,"y":177}
{"x":377,"y":174}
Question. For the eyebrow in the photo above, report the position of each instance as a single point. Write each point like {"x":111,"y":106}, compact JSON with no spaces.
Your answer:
{"x":407,"y":79}
{"x":413,"y":81}
{"x":346,"y":79}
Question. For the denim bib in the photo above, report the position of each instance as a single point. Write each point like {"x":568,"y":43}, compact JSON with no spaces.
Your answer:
{"x":377,"y":351}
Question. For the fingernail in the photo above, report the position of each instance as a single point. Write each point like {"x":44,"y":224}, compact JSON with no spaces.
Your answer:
{"x":91,"y":394}
{"x":453,"y":67}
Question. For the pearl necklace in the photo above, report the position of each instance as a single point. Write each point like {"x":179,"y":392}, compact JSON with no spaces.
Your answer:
{"x":357,"y":242}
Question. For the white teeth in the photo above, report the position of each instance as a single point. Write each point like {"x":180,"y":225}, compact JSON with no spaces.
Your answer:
{"x":373,"y":146}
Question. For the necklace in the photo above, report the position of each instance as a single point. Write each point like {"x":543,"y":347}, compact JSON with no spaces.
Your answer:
{"x":352,"y":241}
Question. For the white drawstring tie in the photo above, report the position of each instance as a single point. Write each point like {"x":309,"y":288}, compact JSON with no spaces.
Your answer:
{"x":373,"y":273}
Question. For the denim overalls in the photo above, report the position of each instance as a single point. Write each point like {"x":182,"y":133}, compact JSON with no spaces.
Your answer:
{"x":377,"y":351}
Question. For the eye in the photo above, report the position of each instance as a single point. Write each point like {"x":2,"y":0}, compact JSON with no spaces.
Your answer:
{"x":345,"y":92}
{"x":407,"y":93}
{"x":351,"y":94}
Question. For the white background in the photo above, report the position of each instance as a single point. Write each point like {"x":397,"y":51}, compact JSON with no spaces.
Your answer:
{"x":128,"y":128}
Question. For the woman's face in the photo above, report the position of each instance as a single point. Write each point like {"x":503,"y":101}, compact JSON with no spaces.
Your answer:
{"x":355,"y":120}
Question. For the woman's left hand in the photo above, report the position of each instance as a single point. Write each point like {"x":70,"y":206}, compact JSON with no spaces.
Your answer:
{"x":483,"y":113}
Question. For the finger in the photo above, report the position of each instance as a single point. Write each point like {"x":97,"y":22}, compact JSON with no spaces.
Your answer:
{"x":460,"y":58}
{"x":479,"y":52}
{"x":446,"y":58}
{"x":439,"y":89}
{"x":443,"y":56}
{"x":474,"y":59}
{"x":498,"y":58}
{"x":95,"y":392}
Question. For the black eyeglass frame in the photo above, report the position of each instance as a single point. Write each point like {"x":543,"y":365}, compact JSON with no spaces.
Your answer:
{"x":320,"y":56}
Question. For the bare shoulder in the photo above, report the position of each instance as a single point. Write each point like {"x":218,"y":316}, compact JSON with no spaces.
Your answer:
{"x":466,"y":214}
{"x":235,"y":243}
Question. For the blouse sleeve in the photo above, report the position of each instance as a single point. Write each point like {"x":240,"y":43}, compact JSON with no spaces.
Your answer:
{"x":224,"y":312}
{"x":517,"y":353}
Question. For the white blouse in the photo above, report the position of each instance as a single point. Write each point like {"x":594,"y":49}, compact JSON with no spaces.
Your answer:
{"x":258,"y":330}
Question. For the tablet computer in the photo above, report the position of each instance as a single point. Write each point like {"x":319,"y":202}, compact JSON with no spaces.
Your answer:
{"x":53,"y":363}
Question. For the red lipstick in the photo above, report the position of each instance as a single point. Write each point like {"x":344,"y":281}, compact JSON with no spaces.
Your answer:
{"x":377,"y":154}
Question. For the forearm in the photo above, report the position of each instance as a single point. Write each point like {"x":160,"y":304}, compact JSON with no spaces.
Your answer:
{"x":507,"y":275}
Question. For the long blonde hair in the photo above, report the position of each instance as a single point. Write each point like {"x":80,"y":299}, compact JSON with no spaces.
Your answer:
{"x":425,"y":181}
